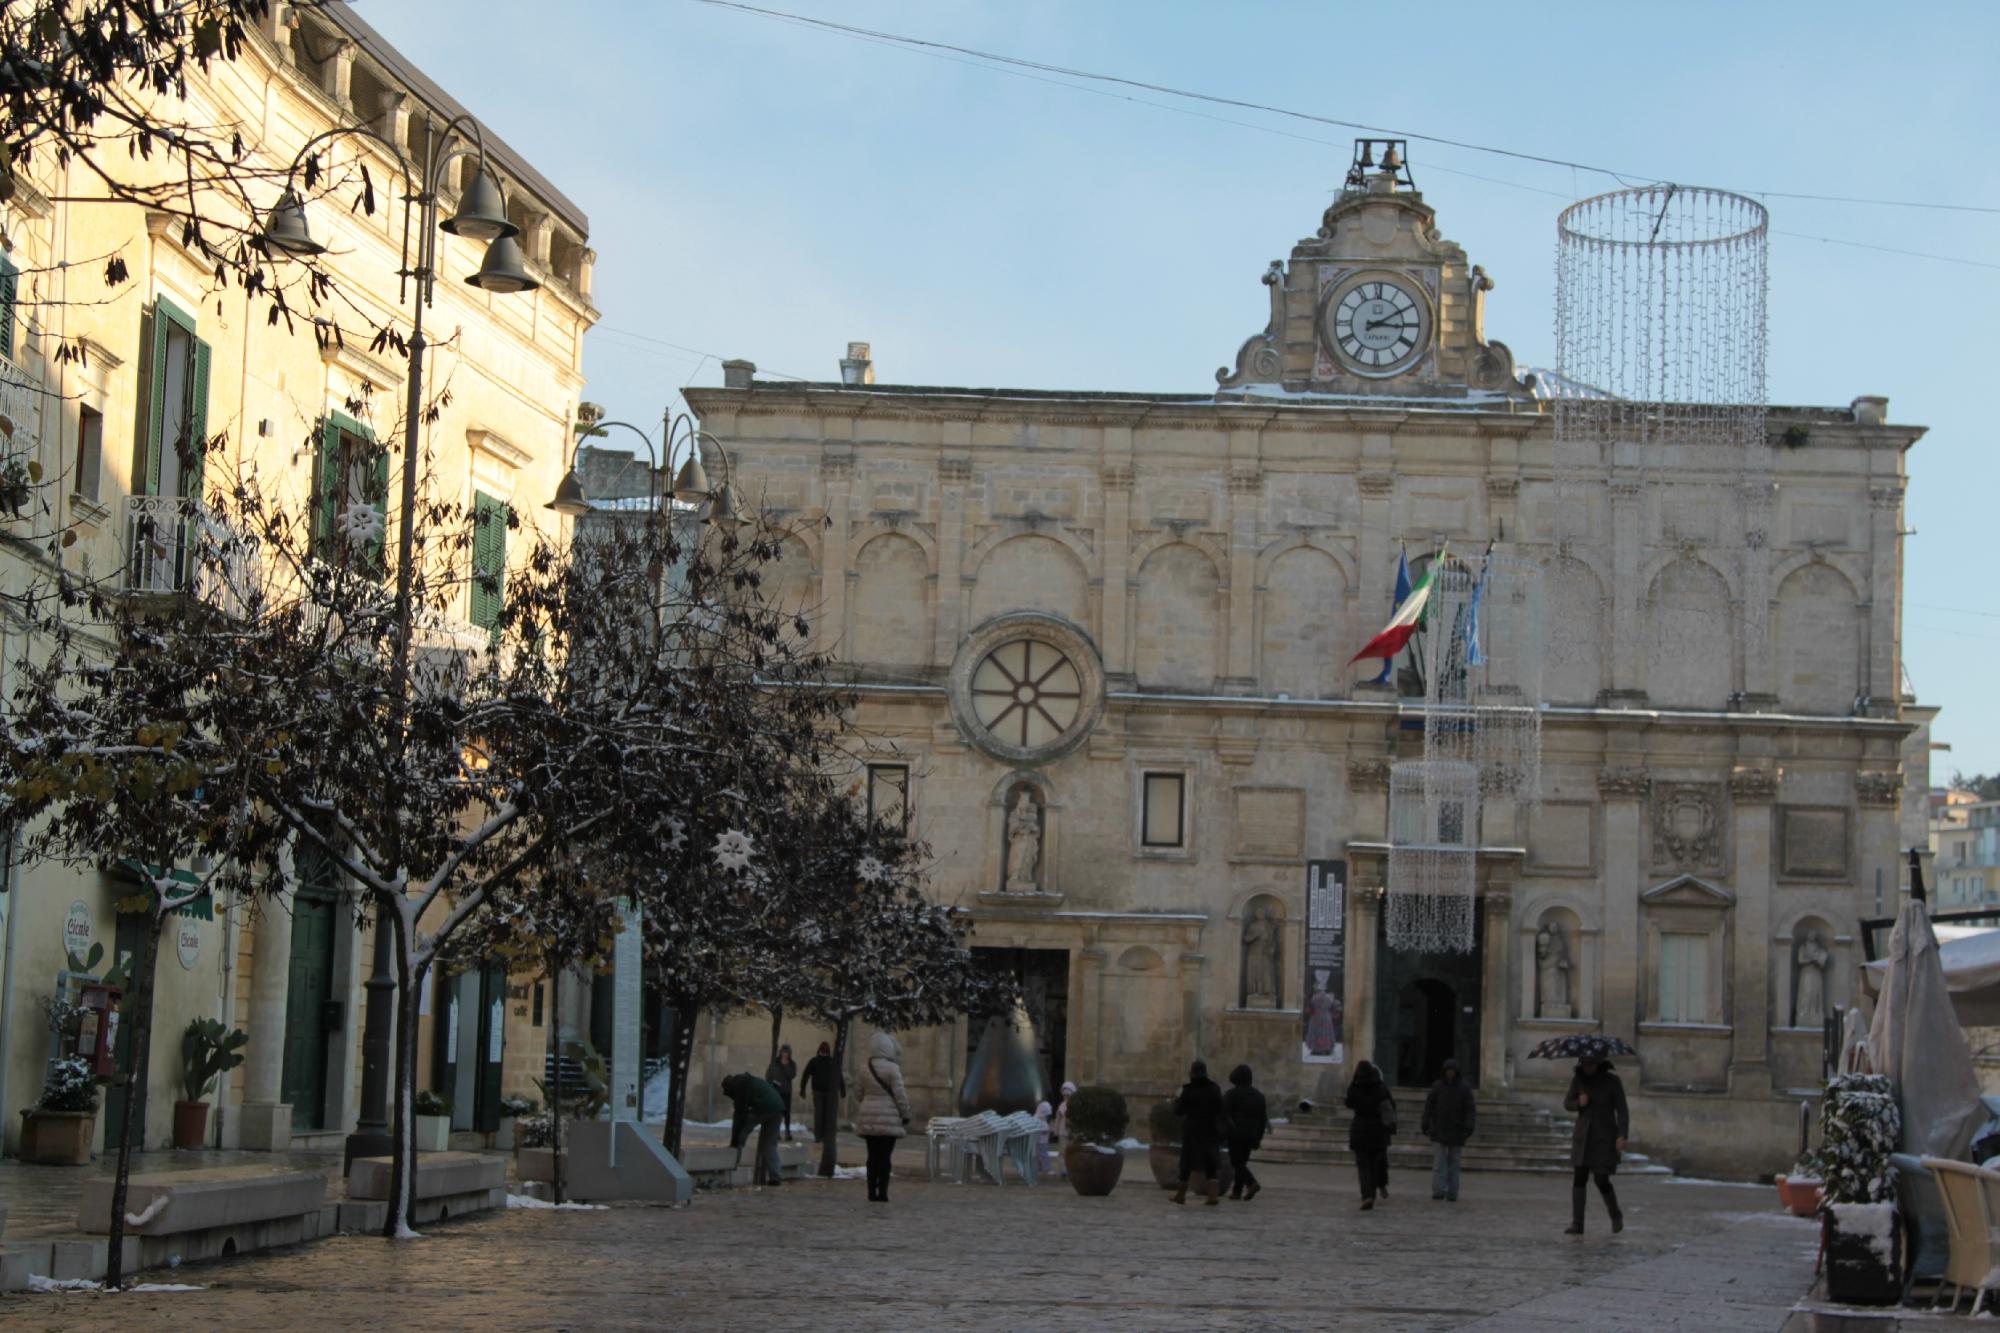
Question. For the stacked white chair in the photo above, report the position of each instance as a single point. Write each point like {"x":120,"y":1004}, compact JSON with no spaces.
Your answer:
{"x":939,"y":1143}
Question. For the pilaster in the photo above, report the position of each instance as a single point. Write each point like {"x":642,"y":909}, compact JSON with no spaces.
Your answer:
{"x":952,"y":595}
{"x":1246,"y":494}
{"x":267,"y":1120}
{"x":1628,"y":636}
{"x":1622,"y":793}
{"x":1885,"y":592}
{"x":836,"y":473}
{"x":1364,"y":913}
{"x":1752,"y":792}
{"x":1495,"y":988}
{"x":1117,"y":547}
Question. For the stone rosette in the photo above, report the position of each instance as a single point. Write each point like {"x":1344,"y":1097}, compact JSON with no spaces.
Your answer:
{"x":1037,"y":627}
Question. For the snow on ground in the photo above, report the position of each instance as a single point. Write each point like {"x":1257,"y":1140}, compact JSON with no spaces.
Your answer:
{"x":850,"y":1173}
{"x":1697,"y":1180}
{"x":36,"y":1282}
{"x":530,"y":1201}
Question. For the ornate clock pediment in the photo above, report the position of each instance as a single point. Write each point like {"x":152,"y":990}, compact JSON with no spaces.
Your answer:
{"x":1376,"y":302}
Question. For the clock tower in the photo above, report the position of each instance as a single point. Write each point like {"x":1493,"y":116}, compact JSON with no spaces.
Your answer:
{"x":1376,"y":303}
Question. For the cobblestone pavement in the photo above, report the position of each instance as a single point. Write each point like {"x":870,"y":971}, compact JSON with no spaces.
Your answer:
{"x":974,"y":1257}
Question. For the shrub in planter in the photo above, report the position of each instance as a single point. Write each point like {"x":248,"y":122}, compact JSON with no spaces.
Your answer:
{"x":512,"y":1108}
{"x":1097,"y":1121}
{"x":1859,"y":1126}
{"x":208,"y":1051}
{"x":58,"y":1129}
{"x":433,"y":1116}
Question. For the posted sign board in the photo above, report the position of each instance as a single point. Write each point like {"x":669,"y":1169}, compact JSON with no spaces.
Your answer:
{"x":1326,"y":963}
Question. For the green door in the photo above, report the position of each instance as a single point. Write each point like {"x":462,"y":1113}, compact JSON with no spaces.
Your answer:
{"x":131,"y":938}
{"x":492,"y":1036}
{"x":311,"y":987}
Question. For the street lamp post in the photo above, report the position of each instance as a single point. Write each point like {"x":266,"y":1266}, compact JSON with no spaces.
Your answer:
{"x":481,"y":216}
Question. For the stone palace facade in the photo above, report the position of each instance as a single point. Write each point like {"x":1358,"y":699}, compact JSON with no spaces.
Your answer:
{"x":1102,"y":640}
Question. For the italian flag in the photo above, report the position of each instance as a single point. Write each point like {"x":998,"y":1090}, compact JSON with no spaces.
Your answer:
{"x":1408,"y":619}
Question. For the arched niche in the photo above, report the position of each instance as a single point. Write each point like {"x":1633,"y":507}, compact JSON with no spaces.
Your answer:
{"x":1564,"y":984}
{"x":1177,"y":616}
{"x":1032,"y":572}
{"x":1300,"y":609}
{"x":1017,"y":785}
{"x":1573,"y":663}
{"x":1261,"y":954}
{"x":1690,"y":658}
{"x":891,"y":603}
{"x":1817,"y":641}
{"x":790,"y":583}
{"x":1809,"y":955}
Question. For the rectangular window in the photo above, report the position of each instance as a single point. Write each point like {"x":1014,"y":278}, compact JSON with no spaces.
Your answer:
{"x":889,"y":794}
{"x":174,"y":396}
{"x":538,"y":1004}
{"x":1163,"y":821}
{"x":489,"y":559}
{"x":89,"y":452}
{"x":10,"y":288}
{"x":350,"y":471}
{"x":1683,"y":978}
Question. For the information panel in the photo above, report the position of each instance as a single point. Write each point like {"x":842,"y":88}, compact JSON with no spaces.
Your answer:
{"x":1326,"y":963}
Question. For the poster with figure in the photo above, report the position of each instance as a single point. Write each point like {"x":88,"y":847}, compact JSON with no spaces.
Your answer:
{"x":1326,"y":963}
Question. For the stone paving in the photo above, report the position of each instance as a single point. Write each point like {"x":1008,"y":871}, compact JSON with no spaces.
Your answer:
{"x":940,"y":1256}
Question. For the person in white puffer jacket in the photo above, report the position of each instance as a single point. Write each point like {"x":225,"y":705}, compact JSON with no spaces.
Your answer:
{"x":884,"y":1115}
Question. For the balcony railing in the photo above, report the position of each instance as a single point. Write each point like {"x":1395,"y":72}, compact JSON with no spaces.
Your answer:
{"x":174,"y":545}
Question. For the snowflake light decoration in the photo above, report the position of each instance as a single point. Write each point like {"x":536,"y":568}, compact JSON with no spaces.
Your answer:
{"x":872,"y":871}
{"x":675,"y":833}
{"x":361,"y":522}
{"x":732,"y":850}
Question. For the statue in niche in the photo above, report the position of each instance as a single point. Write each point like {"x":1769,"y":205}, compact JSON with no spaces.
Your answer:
{"x":1552,"y":973}
{"x":1809,"y":999}
{"x":1263,"y":943}
{"x":1024,"y":843}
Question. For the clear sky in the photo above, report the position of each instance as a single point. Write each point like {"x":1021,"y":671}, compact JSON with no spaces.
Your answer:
{"x":762,"y":189}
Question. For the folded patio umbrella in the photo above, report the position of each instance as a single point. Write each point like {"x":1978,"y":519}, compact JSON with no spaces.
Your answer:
{"x":1577,"y":1045}
{"x":1916,"y":1040}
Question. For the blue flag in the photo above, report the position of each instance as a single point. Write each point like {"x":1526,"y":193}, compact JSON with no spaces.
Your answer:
{"x":1473,"y":655}
{"x":1402,"y":595}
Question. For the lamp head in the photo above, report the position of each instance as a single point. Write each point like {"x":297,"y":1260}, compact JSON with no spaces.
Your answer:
{"x":504,"y":270}
{"x":482,"y":211}
{"x":691,"y":483}
{"x":286,"y":234}
{"x":570,"y":499}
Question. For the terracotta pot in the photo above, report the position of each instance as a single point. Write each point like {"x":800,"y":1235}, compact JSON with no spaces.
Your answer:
{"x":57,"y":1138}
{"x":1784,"y":1191}
{"x":1090,"y":1171}
{"x":191,"y":1125}
{"x":1805,"y":1197}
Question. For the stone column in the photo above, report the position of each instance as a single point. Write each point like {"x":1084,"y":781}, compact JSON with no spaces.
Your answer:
{"x":1752,"y":792}
{"x":1246,"y":493}
{"x":1087,"y":1029}
{"x":1885,"y":592}
{"x":1622,"y":790}
{"x":949,"y":588}
{"x":1496,"y":965}
{"x":836,"y":470}
{"x":1364,"y":912}
{"x":1628,"y":599}
{"x":1117,"y":550}
{"x":267,"y":1119}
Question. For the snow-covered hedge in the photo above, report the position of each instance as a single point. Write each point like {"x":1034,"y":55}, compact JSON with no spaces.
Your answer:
{"x":1859,"y":1125}
{"x":69,"y":1086}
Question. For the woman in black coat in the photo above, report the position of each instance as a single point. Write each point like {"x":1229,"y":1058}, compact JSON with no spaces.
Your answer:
{"x":1200,"y":1107}
{"x":1369,"y":1132}
{"x":1596,"y":1097}
{"x":1249,"y":1119}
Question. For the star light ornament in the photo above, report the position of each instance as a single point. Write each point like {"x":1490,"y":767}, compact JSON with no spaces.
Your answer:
{"x":361,"y":522}
{"x":732,"y":850}
{"x":872,"y":871}
{"x":674,"y":832}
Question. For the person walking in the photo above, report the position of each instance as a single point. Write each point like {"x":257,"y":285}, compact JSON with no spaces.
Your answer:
{"x":1200,"y":1109}
{"x":1596,"y":1097}
{"x":822,"y":1078}
{"x":1249,"y":1120}
{"x":1448,"y":1114}
{"x":779,"y":1075}
{"x":757,"y":1105}
{"x":884,"y":1116}
{"x":1368,"y":1133}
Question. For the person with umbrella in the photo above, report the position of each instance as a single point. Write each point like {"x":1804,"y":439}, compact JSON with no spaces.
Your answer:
{"x":1596,"y":1097}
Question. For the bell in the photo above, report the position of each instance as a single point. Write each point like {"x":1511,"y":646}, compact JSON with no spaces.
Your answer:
{"x":482,"y":212}
{"x":1005,"y":1074}
{"x":1367,"y":152}
{"x":504,"y":269}
{"x":286,"y":235}
{"x":691,"y":485}
{"x":570,"y":498}
{"x":1391,"y":159}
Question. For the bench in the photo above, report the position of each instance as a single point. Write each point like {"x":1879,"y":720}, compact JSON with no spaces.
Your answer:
{"x":717,"y":1164}
{"x":446,"y":1185}
{"x":212,"y":1212}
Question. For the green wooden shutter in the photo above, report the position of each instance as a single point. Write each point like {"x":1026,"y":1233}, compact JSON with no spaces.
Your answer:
{"x":197,"y":442}
{"x":152,"y":433}
{"x":489,"y":558}
{"x":326,"y":490}
{"x":10,"y":288}
{"x":378,"y":495}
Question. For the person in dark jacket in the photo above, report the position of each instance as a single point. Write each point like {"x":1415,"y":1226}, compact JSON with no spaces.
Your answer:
{"x":1448,"y":1112}
{"x":1200,"y":1107}
{"x":1369,"y":1131}
{"x":1596,"y":1097}
{"x":757,"y":1104}
{"x":779,"y":1075}
{"x":1249,"y":1120}
{"x":822,"y":1079}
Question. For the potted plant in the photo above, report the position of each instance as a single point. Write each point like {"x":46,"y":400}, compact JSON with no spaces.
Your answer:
{"x":1097,"y":1120}
{"x":1163,"y":1155}
{"x":534,"y":1147}
{"x":1859,"y":1126}
{"x":57,"y":1130}
{"x":208,"y":1051}
{"x":433,"y":1122}
{"x":512,"y":1108}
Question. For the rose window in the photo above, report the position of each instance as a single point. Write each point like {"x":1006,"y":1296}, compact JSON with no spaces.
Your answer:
{"x":1026,"y":693}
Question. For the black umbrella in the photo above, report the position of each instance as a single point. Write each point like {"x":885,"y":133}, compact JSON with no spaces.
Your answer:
{"x":1578,"y":1045}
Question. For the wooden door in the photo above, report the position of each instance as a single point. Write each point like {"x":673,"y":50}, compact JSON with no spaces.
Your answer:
{"x":309,"y":991}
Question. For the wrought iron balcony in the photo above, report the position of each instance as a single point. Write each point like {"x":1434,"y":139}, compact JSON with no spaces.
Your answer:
{"x":174,"y":545}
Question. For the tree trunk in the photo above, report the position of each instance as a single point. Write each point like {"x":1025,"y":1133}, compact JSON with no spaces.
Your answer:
{"x":829,"y":1148}
{"x":686,"y":1010}
{"x":141,"y":1033}
{"x":777,"y":1023}
{"x":555,"y":1080}
{"x":398,"y":1219}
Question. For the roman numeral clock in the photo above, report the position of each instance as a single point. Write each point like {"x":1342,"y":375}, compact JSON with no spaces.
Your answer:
{"x":1374,"y":323}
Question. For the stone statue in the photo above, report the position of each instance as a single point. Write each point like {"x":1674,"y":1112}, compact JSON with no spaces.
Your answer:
{"x":1552,"y":973}
{"x":1263,"y":944}
{"x":1809,"y":1005}
{"x":1024,"y":844}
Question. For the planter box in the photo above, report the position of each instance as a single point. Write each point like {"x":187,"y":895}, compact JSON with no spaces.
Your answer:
{"x":433,"y":1133}
{"x":57,"y":1138}
{"x":535,"y":1164}
{"x":1092,"y":1172}
{"x":1864,"y":1253}
{"x":503,"y":1137}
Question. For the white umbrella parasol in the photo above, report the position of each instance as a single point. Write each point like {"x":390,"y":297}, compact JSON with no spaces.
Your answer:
{"x":1915,"y":1038}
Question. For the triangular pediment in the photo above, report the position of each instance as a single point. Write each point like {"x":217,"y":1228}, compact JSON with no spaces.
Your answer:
{"x":1688,"y":891}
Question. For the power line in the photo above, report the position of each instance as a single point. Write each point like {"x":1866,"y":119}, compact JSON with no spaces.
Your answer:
{"x":931,"y":47}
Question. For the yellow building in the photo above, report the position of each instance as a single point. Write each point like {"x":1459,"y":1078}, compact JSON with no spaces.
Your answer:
{"x":170,"y":348}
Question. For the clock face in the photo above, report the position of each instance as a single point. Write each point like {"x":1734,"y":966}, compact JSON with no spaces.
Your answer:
{"x":1379,"y":326}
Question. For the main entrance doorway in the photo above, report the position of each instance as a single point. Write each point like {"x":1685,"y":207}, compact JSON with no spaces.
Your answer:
{"x":1044,"y":978}
{"x":1427,"y":1010}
